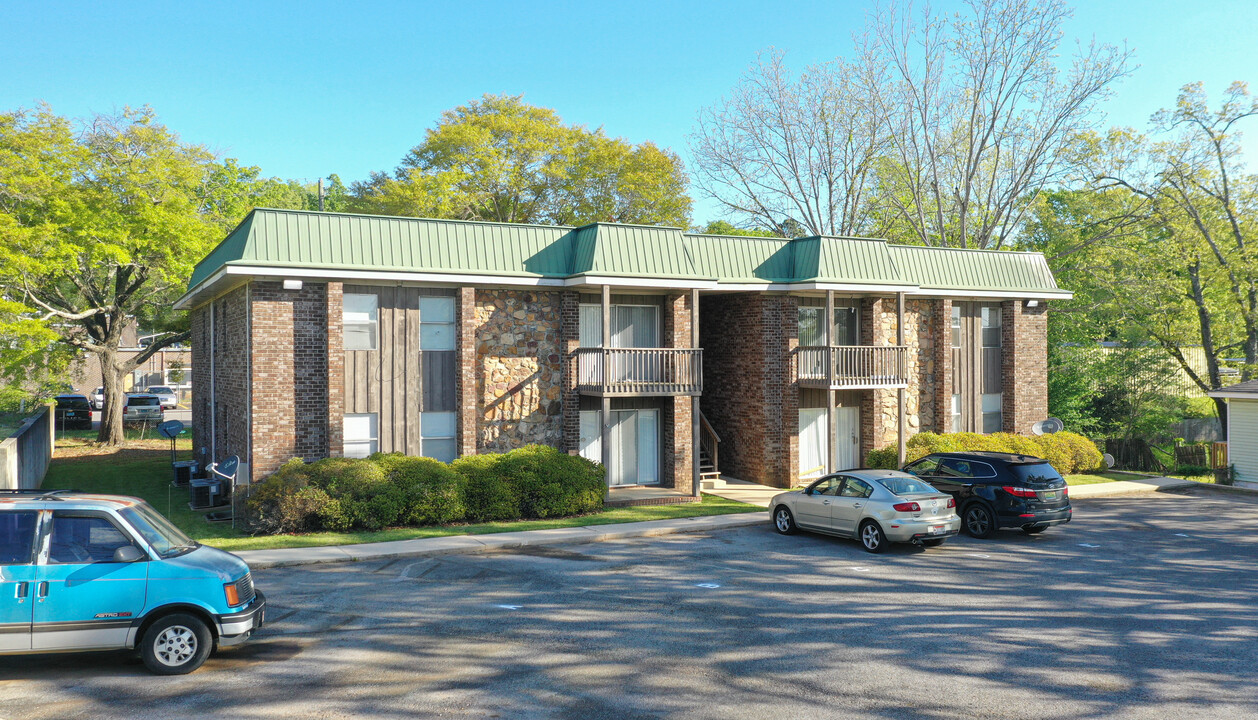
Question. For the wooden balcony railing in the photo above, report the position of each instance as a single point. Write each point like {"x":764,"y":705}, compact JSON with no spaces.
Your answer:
{"x":640,"y":371}
{"x":852,"y":367}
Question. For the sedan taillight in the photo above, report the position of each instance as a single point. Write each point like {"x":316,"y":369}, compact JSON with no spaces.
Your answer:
{"x":952,"y":502}
{"x":1020,"y":492}
{"x":907,"y":507}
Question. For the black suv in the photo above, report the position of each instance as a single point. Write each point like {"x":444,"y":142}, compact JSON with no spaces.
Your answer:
{"x":997,"y":490}
{"x":73,"y":411}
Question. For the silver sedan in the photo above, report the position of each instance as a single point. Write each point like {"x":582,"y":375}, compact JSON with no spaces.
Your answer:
{"x":874,"y":506}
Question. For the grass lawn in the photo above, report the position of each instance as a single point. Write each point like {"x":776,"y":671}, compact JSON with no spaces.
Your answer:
{"x":142,"y":469}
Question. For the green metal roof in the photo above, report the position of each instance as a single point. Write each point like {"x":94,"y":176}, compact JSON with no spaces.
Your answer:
{"x":956,"y":269}
{"x":339,"y":241}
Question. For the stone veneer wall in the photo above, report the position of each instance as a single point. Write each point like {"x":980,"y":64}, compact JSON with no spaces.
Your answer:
{"x":289,"y":375}
{"x":920,"y":395}
{"x":231,"y":416}
{"x":748,"y":345}
{"x":520,"y":356}
{"x":1024,"y":365}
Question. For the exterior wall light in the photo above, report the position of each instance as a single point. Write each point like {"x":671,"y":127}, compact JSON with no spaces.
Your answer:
{"x":292,"y":284}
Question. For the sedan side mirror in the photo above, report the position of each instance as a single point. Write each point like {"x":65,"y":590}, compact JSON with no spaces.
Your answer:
{"x":128,"y":554}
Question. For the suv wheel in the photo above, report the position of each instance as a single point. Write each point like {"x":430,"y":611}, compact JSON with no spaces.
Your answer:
{"x":978,"y":520}
{"x":176,"y":644}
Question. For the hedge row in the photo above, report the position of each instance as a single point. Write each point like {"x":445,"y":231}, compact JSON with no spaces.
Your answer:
{"x":1067,"y":452}
{"x":389,"y":490}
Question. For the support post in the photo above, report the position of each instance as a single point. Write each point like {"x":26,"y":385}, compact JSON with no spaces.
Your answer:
{"x":606,"y":414}
{"x":832,"y":440}
{"x":694,"y":399}
{"x":899,"y":340}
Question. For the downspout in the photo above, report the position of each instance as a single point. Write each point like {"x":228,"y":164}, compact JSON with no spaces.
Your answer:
{"x":213,"y":397}
{"x":606,"y":408}
{"x":899,"y":333}
{"x":832,"y":441}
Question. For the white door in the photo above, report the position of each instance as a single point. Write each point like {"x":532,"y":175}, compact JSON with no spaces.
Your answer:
{"x":847,"y":434}
{"x":591,"y":436}
{"x":812,"y":443}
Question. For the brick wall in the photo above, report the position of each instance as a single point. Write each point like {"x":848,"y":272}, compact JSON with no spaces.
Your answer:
{"x":1024,"y":365}
{"x":678,"y":444}
{"x":289,"y":374}
{"x":748,"y":343}
{"x":942,"y":329}
{"x":520,"y":358}
{"x":336,"y":369}
{"x":569,"y":334}
{"x":223,"y":429}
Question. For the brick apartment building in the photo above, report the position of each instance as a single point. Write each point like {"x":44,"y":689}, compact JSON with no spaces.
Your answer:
{"x":658,"y":353}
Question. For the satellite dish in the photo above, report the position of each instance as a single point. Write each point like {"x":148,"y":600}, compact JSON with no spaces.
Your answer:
{"x":170,"y":429}
{"x":1048,"y":427}
{"x":1109,"y":460}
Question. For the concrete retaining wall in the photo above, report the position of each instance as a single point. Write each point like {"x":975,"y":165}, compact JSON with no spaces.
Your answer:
{"x":26,"y":454}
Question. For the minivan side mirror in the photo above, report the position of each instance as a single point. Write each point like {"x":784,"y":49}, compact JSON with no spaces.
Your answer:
{"x":128,"y":554}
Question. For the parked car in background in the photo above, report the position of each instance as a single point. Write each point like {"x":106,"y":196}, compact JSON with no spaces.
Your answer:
{"x":169,"y":399}
{"x":876,"y":507}
{"x":98,"y":398}
{"x":105,"y":572}
{"x":998,"y":490}
{"x":73,"y":412}
{"x":142,"y":407}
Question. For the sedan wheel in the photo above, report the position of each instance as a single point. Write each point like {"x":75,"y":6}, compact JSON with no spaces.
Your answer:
{"x":783,"y":521}
{"x":872,"y":538}
{"x":979,"y":522}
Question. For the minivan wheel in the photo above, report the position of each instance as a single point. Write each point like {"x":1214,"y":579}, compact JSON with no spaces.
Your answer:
{"x":979,"y":522}
{"x":872,"y":538}
{"x":1032,"y":529}
{"x":783,"y":521}
{"x":176,"y":644}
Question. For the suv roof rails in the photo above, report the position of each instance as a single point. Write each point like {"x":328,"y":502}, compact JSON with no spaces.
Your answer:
{"x":39,"y":494}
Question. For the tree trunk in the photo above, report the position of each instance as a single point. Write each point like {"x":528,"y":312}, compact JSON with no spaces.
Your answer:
{"x":1220,"y":407}
{"x":111,"y":430}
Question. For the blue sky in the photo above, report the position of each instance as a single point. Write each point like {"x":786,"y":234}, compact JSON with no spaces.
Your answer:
{"x":307,"y":89}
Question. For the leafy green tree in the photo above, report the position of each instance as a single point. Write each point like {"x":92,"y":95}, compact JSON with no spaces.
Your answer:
{"x":101,"y":223}
{"x":721,"y":227}
{"x":504,"y":160}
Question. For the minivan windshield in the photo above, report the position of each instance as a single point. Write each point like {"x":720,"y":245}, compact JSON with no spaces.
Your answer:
{"x":165,"y":539}
{"x":1036,"y":473}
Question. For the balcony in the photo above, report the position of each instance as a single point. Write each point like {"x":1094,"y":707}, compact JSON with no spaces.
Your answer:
{"x":852,"y":367}
{"x":621,"y":372}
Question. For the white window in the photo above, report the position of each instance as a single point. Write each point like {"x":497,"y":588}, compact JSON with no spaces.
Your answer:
{"x":361,"y":435}
{"x":992,"y":419}
{"x":590,"y":325}
{"x":436,"y":430}
{"x":634,"y":441}
{"x":991,"y":326}
{"x":956,"y":414}
{"x":810,"y":326}
{"x":956,"y":326}
{"x":436,"y":323}
{"x":359,"y":321}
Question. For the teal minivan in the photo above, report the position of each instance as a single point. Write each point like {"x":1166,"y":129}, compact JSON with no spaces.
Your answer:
{"x":107,"y":572}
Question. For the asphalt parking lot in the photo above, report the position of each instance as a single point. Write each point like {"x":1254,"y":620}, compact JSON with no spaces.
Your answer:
{"x":1144,"y":607}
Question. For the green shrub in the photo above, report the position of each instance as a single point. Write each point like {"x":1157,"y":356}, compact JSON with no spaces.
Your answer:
{"x":1087,"y":456}
{"x":433,"y":492}
{"x":887,"y":458}
{"x":1067,"y":452}
{"x":270,"y":505}
{"x":550,"y":483}
{"x":485,"y":494}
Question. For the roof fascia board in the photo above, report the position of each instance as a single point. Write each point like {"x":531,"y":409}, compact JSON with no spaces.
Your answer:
{"x":1233,"y":395}
{"x":980,"y":294}
{"x":806,"y":286}
{"x":183,"y":303}
{"x":618,"y":281}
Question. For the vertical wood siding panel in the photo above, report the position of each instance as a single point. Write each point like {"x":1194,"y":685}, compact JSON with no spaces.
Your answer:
{"x":414,"y":368}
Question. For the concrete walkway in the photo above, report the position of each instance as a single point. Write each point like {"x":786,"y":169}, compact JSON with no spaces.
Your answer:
{"x":463,"y":544}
